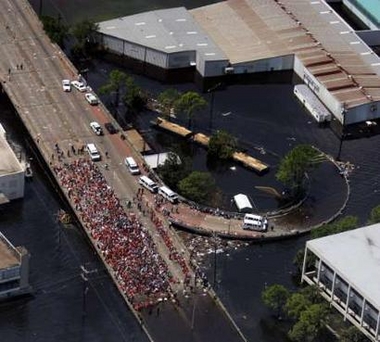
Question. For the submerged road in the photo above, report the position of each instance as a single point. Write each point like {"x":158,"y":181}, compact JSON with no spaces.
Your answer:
{"x":148,"y":263}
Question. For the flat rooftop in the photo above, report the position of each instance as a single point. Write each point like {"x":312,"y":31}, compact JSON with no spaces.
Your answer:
{"x":8,"y":258}
{"x":8,"y":162}
{"x":355,"y":255}
{"x":249,"y":30}
{"x":169,"y":30}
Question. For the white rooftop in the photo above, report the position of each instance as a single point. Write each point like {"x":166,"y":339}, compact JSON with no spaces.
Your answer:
{"x":355,"y":255}
{"x":8,"y":162}
{"x":169,"y":30}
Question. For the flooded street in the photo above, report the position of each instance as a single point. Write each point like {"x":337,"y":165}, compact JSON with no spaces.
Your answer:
{"x":267,"y":120}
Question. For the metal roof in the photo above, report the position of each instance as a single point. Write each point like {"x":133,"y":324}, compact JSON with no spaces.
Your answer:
{"x":249,"y":30}
{"x":8,"y":162}
{"x":169,"y":30}
{"x":355,"y":256}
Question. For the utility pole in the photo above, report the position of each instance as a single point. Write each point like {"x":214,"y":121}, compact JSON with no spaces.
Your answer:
{"x":214,"y":278}
{"x":212,"y":90}
{"x":40,"y":9}
{"x":84,"y":275}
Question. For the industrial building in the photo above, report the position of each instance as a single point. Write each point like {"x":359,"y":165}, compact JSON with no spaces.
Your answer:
{"x":12,"y":172}
{"x":346,"y":269}
{"x":244,"y":37}
{"x":14,"y":269}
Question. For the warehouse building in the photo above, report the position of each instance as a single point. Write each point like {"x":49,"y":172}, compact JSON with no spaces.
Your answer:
{"x":12,"y":173}
{"x":236,"y":38}
{"x":163,"y":41}
{"x":14,"y":269}
{"x":346,"y":269}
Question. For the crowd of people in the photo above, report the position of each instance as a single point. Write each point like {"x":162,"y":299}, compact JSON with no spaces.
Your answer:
{"x":124,"y":242}
{"x":173,"y":253}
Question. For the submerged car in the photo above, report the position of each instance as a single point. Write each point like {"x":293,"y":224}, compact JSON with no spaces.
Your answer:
{"x":66,"y":85}
{"x":79,"y":86}
{"x":96,"y":128}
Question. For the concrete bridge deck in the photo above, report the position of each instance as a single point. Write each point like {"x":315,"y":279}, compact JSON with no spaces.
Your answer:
{"x":31,"y":71}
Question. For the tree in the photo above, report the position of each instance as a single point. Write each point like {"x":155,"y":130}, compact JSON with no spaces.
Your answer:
{"x":134,"y":98}
{"x":275,"y":297}
{"x":374,"y":216}
{"x":190,"y":103}
{"x":295,"y":165}
{"x":115,"y":83}
{"x":172,"y":171}
{"x":84,"y":35}
{"x":167,"y":100}
{"x":344,"y":224}
{"x":54,"y":28}
{"x":296,"y":304}
{"x":197,"y":186}
{"x":310,"y":324}
{"x":352,"y":334}
{"x":222,"y":145}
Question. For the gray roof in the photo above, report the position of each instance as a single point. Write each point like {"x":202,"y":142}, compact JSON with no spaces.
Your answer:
{"x":8,"y":162}
{"x":168,"y":30}
{"x":355,"y":255}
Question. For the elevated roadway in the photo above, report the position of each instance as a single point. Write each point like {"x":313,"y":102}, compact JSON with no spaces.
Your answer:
{"x":31,"y":71}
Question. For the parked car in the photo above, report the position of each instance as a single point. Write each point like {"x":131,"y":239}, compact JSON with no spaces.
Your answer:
{"x":96,"y":128}
{"x":91,"y":99}
{"x":79,"y":86}
{"x":66,"y":85}
{"x":110,"y":128}
{"x":93,"y":152}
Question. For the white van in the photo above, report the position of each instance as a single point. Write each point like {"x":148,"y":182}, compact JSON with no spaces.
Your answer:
{"x":255,"y":222}
{"x":132,"y":166}
{"x":170,"y":195}
{"x":148,"y":183}
{"x":93,"y":152}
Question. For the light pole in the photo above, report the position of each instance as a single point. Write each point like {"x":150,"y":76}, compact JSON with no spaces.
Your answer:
{"x":344,"y":111}
{"x":214,"y":278}
{"x":212,"y":90}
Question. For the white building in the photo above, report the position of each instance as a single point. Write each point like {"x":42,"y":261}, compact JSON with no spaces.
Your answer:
{"x":346,"y":269}
{"x":12,"y":172}
{"x":14,"y":269}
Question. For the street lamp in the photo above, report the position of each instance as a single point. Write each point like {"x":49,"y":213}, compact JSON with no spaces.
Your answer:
{"x":212,"y":90}
{"x":214,"y":278}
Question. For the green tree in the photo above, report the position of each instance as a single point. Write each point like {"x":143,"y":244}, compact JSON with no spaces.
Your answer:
{"x":172,"y":171}
{"x":84,"y":33}
{"x":115,"y":84}
{"x":352,"y":334}
{"x":311,"y":293}
{"x":55,"y":29}
{"x":190,"y":103}
{"x":296,"y":304}
{"x":222,"y":145}
{"x":374,"y":216}
{"x":275,"y":297}
{"x":295,"y":165}
{"x":310,"y":324}
{"x":344,"y":224}
{"x":167,"y":100}
{"x":134,"y":98}
{"x":197,"y":186}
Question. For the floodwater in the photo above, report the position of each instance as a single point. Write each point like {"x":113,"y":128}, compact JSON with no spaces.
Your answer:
{"x":261,"y":116}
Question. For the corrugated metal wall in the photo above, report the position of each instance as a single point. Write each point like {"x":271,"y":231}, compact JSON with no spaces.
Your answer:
{"x":181,"y":59}
{"x":157,"y":58}
{"x":134,"y":51}
{"x":113,"y":44}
